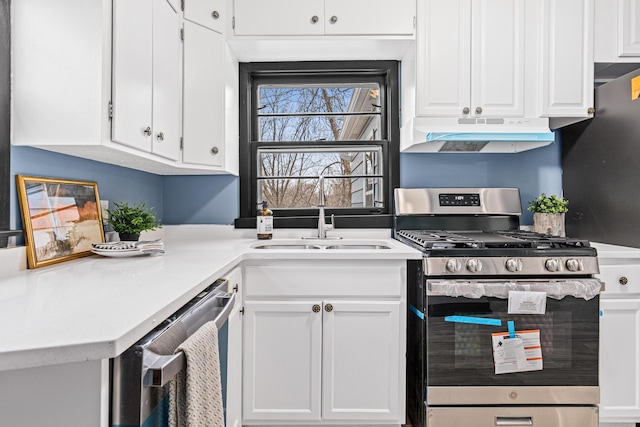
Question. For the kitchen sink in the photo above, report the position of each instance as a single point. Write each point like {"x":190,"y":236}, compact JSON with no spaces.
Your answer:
{"x":358,"y":246}
{"x":331,"y":245}
{"x":286,"y":246}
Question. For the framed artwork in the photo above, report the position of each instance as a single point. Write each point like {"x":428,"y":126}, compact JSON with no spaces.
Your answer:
{"x":61,"y":218}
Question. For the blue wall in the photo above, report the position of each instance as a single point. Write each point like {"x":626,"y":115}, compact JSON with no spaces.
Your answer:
{"x":533,"y":172}
{"x":215,"y":199}
{"x":115,"y":183}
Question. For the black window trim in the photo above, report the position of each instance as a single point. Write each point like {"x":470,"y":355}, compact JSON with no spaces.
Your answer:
{"x":365,"y":218}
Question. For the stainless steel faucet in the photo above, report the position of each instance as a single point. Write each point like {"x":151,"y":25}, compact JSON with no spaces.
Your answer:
{"x":323,"y":227}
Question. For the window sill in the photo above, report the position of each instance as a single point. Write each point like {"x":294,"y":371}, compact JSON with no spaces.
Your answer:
{"x":347,"y":221}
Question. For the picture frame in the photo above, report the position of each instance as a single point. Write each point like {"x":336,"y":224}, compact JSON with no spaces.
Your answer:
{"x":62,"y":218}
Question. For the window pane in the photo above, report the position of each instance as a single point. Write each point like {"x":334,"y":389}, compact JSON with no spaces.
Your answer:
{"x":297,"y":193}
{"x":280,"y":99}
{"x":319,"y":128}
{"x":288,"y":178}
{"x":319,"y":113}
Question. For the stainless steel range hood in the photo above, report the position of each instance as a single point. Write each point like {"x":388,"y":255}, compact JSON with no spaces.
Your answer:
{"x":474,"y":135}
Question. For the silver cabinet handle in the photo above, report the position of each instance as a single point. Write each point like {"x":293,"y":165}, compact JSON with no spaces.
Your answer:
{"x":314,"y":19}
{"x":478,"y":110}
{"x":465,"y":110}
{"x":514,"y":421}
{"x":214,"y":151}
{"x":333,"y":19}
{"x":215,"y":14}
{"x":160,"y":136}
{"x":147,"y":131}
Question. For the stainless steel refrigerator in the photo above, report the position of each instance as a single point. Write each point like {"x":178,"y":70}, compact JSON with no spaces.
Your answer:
{"x":601,"y":167}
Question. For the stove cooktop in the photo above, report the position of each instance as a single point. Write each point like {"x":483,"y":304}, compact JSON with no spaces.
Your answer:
{"x":509,"y":239}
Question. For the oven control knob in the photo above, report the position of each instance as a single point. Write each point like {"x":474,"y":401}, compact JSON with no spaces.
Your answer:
{"x":574,"y":264}
{"x":454,"y":265}
{"x":513,"y":265}
{"x":553,"y":264}
{"x":474,"y":265}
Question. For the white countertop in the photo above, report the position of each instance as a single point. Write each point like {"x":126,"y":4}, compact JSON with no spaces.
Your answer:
{"x":96,"y":307}
{"x":606,"y":251}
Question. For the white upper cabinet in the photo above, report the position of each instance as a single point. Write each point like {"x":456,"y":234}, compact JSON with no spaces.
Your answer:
{"x":210,"y":104}
{"x":617,"y":31}
{"x":369,"y":17}
{"x":279,"y":17}
{"x":323,"y":17}
{"x":470,"y":58}
{"x":208,"y":13}
{"x":103,"y":80}
{"x":146,"y":76}
{"x":567,"y":58}
{"x":629,"y":28}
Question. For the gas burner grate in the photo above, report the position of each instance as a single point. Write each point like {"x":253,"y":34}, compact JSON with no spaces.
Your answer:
{"x":509,"y":239}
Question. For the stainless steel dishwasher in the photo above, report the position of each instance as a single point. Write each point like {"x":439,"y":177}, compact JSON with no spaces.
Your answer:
{"x":140,"y":376}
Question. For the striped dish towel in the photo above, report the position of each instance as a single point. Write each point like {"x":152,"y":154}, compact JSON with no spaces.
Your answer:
{"x":195,"y":398}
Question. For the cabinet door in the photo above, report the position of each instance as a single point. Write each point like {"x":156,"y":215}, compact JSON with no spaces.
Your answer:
{"x":208,"y":13}
{"x":443,"y":57}
{"x":167,"y":80}
{"x":629,"y":28}
{"x":234,"y":369}
{"x":620,"y":360}
{"x":497,"y":58}
{"x":369,"y":17}
{"x":362,"y":353}
{"x":282,"y":361}
{"x":204,"y":96}
{"x":278,"y":17}
{"x":132,"y":73}
{"x":567,"y":58}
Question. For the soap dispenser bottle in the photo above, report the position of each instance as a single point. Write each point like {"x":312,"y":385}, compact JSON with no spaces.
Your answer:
{"x":264,"y":222}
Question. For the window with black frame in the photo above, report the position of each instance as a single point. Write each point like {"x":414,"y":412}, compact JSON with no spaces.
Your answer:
{"x":301,"y":121}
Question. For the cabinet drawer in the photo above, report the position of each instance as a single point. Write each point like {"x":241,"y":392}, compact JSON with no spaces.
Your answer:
{"x":621,"y":276}
{"x":325,"y":280}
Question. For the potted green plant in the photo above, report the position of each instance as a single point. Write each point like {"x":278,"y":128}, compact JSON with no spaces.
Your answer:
{"x":130,"y":220}
{"x":548,"y":214}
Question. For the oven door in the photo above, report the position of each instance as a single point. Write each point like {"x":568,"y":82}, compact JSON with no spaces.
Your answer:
{"x":460,"y":349}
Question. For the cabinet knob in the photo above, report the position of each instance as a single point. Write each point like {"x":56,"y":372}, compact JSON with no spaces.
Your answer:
{"x":314,"y":19}
{"x":333,"y":19}
{"x":591,"y":110}
{"x":214,"y":151}
{"x":160,"y":136}
{"x":316,"y":308}
{"x":623,"y":280}
{"x":478,"y":110}
{"x":465,"y":110}
{"x":215,"y":14}
{"x":328,"y":308}
{"x":147,"y":131}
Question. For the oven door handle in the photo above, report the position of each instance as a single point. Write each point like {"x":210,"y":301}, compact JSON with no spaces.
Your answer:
{"x":164,"y":368}
{"x":514,"y":421}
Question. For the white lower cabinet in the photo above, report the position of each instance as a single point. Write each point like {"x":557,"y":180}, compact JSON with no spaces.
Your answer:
{"x":620,"y":343}
{"x":321,"y":346}
{"x":620,"y":359}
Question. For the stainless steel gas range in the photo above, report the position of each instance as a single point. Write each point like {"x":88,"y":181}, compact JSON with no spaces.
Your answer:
{"x":503,"y":323}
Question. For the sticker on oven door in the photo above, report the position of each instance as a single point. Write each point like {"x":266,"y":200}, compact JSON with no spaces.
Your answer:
{"x":527,"y":302}
{"x":519,"y":354}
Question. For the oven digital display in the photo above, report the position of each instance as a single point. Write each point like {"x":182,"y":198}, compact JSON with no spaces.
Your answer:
{"x":459,"y":199}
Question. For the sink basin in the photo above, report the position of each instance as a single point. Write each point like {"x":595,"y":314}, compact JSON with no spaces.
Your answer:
{"x":321,"y":244}
{"x":286,"y":246}
{"x":358,"y":246}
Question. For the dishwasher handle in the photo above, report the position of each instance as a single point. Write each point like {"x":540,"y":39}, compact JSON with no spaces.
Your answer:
{"x":163,"y":368}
